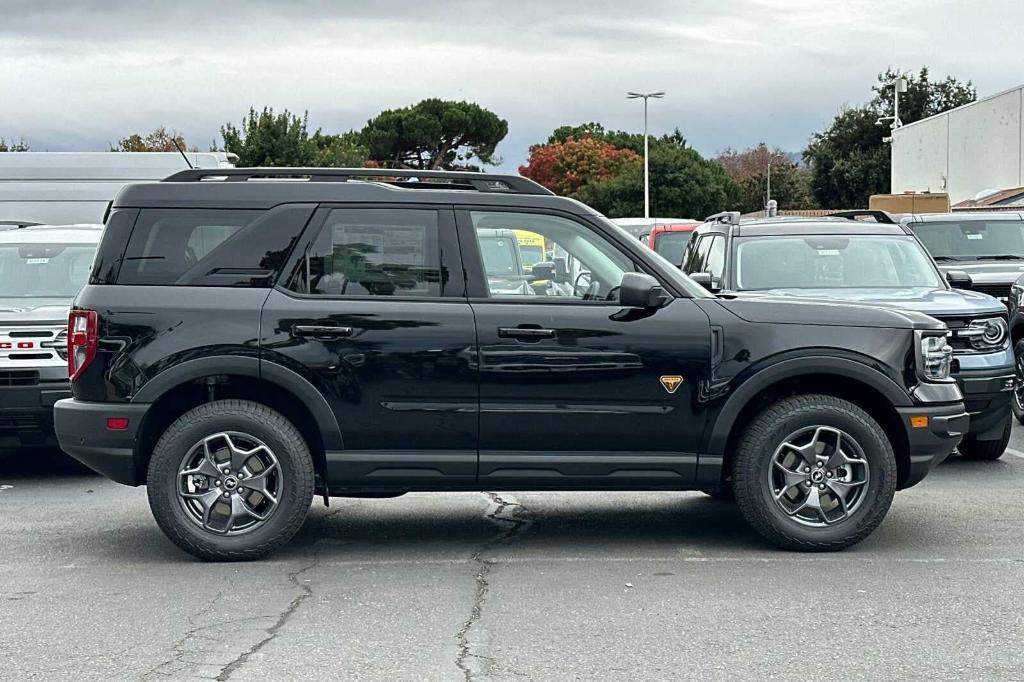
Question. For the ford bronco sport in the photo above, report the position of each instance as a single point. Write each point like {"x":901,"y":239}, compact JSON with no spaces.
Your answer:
{"x":248,"y":340}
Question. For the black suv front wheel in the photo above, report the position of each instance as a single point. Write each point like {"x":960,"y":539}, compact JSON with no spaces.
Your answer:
{"x":814,"y":473}
{"x":230,"y":480}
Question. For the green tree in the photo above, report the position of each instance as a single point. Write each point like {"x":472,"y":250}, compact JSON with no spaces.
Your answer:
{"x":748,"y":169}
{"x":435,"y":134}
{"x":849,"y":160}
{"x":160,"y":140}
{"x":278,"y":140}
{"x":12,"y":146}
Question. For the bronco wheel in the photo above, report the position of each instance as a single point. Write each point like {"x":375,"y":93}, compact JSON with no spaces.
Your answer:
{"x":814,"y":472}
{"x":1017,"y":404}
{"x":230,"y":480}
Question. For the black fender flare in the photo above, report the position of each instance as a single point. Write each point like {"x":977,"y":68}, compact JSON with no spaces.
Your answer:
{"x":787,"y":369}
{"x":288,"y":379}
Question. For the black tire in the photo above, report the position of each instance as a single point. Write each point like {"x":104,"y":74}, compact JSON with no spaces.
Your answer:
{"x":986,"y":450}
{"x":1017,"y":403}
{"x":722,"y":493}
{"x":757,"y":446}
{"x":255,"y":419}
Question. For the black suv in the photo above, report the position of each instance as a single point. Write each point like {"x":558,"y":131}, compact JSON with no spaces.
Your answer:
{"x":252,"y":337}
{"x":872,"y":262}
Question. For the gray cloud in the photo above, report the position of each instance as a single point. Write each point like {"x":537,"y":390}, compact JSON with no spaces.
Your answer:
{"x":78,"y":75}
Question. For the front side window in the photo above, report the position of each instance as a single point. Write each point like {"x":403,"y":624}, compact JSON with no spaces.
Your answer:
{"x":583,"y":266}
{"x":373,"y":252}
{"x":32,"y":275}
{"x":715,"y":265}
{"x":699,"y":254}
{"x":972,"y":239}
{"x":832,"y":262}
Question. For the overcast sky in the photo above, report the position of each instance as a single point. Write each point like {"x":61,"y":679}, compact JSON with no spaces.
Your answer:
{"x":80,"y":75}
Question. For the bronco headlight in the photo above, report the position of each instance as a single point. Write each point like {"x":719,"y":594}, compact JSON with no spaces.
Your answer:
{"x":986,"y":334}
{"x":936,"y":356}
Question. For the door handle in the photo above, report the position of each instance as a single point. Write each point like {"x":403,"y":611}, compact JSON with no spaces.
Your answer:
{"x":321,"y":331}
{"x":525,"y":333}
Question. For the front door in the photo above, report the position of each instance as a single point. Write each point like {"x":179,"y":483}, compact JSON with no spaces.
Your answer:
{"x":575,"y":389}
{"x":374,"y":313}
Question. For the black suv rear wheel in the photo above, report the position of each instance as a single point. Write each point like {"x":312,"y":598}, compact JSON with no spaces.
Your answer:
{"x":1017,"y":405}
{"x":814,"y":473}
{"x":230,"y":480}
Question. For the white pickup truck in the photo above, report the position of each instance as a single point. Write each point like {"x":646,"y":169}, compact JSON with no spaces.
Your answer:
{"x":42,"y":267}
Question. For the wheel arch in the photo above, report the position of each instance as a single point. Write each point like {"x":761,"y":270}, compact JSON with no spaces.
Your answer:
{"x":872,"y":391}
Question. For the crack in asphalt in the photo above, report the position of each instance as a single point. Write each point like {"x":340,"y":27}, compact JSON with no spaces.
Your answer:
{"x":191,"y":631}
{"x":306,"y":592}
{"x":516,"y":521}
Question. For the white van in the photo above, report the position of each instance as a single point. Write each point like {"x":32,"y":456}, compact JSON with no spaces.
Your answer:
{"x":61,"y":188}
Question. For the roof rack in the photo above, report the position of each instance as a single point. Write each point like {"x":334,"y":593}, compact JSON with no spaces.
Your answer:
{"x":727,"y":217}
{"x":879,"y":216}
{"x":402,"y":177}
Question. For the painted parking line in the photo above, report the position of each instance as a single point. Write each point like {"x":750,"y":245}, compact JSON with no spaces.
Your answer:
{"x":1015,"y":453}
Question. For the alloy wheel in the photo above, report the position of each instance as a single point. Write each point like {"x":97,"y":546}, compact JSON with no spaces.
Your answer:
{"x":818,"y":476}
{"x":229,"y":483}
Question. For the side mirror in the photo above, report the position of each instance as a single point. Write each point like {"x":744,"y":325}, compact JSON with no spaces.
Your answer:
{"x":702,"y":278}
{"x":959,"y":279}
{"x":639,"y":290}
{"x":561,"y":270}
{"x":543,"y":271}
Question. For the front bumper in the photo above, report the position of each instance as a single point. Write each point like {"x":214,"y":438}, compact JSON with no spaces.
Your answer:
{"x":26,"y":411}
{"x":931,"y":444}
{"x":987,"y":396}
{"x":82,"y":432}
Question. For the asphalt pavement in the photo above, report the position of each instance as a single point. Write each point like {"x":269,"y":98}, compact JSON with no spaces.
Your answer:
{"x":513,"y":586}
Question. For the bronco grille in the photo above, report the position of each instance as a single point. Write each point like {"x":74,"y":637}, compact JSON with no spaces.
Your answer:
{"x":10,"y":378}
{"x":31,"y":346}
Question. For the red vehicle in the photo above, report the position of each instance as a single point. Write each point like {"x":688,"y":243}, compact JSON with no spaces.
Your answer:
{"x":670,"y":240}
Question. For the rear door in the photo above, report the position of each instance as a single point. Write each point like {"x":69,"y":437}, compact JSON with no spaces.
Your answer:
{"x":374,"y":313}
{"x":576,"y":390}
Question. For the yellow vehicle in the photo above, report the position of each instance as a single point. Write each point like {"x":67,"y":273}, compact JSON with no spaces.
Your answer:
{"x":531,"y":248}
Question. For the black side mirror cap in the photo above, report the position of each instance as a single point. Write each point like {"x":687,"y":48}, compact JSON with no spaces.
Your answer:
{"x":702,"y":278}
{"x":543,"y":271}
{"x":959,"y":279}
{"x":640,"y":290}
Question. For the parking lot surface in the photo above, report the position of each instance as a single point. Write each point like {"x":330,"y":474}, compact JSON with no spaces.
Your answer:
{"x":513,"y":586}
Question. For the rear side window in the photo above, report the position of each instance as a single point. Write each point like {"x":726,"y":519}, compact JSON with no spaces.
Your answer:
{"x":211,"y":247}
{"x":373,"y":252}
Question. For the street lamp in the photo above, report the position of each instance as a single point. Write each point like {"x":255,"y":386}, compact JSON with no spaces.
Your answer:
{"x":647,"y":173}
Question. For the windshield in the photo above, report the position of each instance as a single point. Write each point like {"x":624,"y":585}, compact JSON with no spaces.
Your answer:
{"x":44,"y":270}
{"x":833,"y":262}
{"x":671,"y":245}
{"x":972,"y":239}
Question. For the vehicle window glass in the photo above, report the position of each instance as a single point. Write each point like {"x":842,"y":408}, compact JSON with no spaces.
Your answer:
{"x":672,"y":245}
{"x":210,"y":247}
{"x":972,"y":239}
{"x":373,"y":252}
{"x":582,"y":265}
{"x":715,"y":265}
{"x":51,"y":273}
{"x":700,"y":254}
{"x":829,"y":262}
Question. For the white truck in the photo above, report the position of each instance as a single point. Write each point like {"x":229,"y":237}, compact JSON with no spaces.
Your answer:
{"x":60,"y":188}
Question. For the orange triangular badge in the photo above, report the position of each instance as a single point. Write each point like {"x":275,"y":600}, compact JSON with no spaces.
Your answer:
{"x":671,"y":382}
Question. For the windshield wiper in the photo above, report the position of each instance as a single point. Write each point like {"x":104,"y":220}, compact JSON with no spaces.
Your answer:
{"x":946,"y":259}
{"x":1008,"y":256}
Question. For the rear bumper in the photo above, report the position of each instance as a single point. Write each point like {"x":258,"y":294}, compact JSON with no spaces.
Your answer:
{"x":987,"y":395}
{"x":82,"y":432}
{"x":26,"y":413}
{"x":931,"y":444}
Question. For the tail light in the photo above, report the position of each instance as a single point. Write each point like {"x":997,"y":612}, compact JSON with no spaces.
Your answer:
{"x":82,"y":340}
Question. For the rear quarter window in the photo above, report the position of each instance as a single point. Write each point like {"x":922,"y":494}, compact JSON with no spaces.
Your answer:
{"x":211,"y":247}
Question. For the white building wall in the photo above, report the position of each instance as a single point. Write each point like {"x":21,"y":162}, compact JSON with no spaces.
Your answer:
{"x":964,"y":151}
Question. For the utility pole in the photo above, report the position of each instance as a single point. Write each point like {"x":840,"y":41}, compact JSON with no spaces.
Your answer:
{"x":647,"y":173}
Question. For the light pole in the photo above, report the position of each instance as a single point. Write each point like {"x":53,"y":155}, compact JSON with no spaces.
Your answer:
{"x":647,"y":173}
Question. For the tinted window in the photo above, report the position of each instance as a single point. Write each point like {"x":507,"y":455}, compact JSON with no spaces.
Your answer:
{"x":715,"y":265}
{"x":699,"y":255}
{"x":827,"y":262}
{"x":583,"y":266}
{"x":672,"y":245}
{"x":972,"y":239}
{"x":211,"y":247}
{"x":373,"y":252}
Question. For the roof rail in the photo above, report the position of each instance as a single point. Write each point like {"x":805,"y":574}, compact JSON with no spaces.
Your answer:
{"x":727,"y":217}
{"x":879,"y":216}
{"x":402,"y":177}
